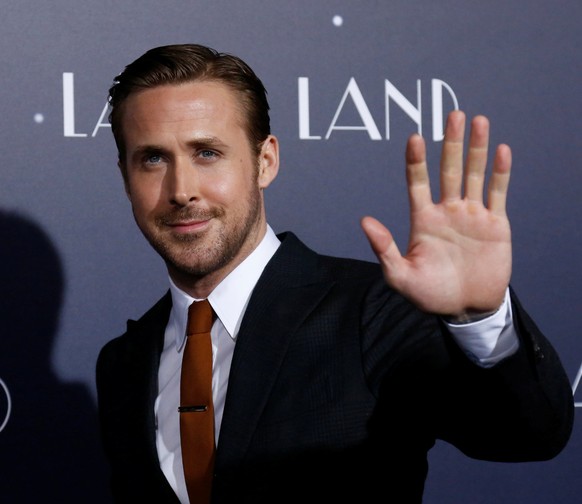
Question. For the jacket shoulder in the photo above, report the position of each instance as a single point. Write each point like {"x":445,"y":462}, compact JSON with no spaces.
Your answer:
{"x":294,"y":256}
{"x":150,"y":325}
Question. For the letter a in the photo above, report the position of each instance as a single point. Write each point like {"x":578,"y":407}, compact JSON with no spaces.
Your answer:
{"x":369,"y":125}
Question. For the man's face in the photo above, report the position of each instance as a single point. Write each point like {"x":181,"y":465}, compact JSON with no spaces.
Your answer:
{"x":194,"y":184}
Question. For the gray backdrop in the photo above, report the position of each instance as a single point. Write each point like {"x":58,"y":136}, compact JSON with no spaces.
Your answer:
{"x":74,"y":268}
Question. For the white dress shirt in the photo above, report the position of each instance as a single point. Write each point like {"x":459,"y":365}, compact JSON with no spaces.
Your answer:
{"x":486,"y":342}
{"x":229,"y":301}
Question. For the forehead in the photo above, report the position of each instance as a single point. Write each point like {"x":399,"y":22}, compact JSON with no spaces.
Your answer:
{"x":172,"y":107}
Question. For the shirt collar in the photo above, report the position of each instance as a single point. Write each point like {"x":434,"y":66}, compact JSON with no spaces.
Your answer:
{"x":230,"y":297}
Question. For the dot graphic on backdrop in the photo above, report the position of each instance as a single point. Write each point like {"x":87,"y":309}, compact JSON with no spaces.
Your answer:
{"x":38,"y":118}
{"x":338,"y":20}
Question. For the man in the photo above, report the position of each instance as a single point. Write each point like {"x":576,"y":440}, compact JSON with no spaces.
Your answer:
{"x":332,"y":378}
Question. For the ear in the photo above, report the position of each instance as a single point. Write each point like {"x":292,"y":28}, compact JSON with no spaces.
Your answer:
{"x":268,"y":161}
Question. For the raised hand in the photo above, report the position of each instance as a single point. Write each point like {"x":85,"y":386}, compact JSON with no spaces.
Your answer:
{"x":458,"y":262}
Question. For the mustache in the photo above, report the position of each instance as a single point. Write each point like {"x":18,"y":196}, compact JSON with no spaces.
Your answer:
{"x":188,"y":214}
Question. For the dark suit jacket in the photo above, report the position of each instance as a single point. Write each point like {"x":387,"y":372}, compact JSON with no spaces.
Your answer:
{"x":338,"y":388}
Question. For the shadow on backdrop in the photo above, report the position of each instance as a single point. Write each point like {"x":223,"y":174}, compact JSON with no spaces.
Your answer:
{"x":49,"y":443}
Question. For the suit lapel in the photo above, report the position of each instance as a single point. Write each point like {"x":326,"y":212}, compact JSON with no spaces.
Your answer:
{"x":147,"y":342}
{"x":287,"y":292}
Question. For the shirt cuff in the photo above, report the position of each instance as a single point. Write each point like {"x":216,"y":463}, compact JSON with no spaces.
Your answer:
{"x":489,"y":340}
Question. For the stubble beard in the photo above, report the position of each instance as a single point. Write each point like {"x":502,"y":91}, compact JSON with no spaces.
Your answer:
{"x":197,"y":255}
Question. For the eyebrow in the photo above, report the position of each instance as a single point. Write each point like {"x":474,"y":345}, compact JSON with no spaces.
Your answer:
{"x":206,"y":141}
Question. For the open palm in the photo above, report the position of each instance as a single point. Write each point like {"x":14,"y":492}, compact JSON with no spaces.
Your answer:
{"x":458,"y":261}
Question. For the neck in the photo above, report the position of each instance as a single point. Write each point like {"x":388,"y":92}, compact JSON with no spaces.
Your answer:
{"x":200,"y":286}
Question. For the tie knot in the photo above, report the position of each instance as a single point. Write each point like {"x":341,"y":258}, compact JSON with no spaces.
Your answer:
{"x":200,"y":317}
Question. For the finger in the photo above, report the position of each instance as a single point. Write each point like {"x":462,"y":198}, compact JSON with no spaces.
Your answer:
{"x":499,"y":181}
{"x":452,"y":157}
{"x":417,"y":174}
{"x":477,"y":159}
{"x":382,"y":244}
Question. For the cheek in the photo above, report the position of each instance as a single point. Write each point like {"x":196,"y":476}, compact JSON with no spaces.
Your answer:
{"x":222,"y":192}
{"x":144,"y":198}
{"x":230,"y":189}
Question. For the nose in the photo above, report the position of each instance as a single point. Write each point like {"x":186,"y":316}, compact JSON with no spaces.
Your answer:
{"x":182,"y":183}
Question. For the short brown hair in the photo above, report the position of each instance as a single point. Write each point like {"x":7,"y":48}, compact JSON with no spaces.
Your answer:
{"x":175,"y":64}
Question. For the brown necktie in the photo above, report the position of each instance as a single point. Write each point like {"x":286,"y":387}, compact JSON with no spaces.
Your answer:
{"x":196,"y":408}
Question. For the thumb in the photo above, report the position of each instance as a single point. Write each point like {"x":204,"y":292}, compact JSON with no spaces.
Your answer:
{"x":382,"y":242}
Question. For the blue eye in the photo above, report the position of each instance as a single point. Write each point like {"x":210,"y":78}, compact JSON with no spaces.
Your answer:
{"x":154,"y":159}
{"x":207,"y":154}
